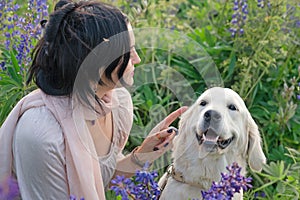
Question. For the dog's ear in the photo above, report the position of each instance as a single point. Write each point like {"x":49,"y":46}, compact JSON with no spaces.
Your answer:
{"x":256,"y":156}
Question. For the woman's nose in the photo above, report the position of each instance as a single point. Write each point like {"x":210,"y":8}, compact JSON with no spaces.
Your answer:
{"x":135,"y":58}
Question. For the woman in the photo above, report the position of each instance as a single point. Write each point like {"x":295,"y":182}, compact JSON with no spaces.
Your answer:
{"x":66,"y":138}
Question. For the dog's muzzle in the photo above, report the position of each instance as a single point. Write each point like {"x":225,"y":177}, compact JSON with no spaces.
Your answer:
{"x":211,"y":140}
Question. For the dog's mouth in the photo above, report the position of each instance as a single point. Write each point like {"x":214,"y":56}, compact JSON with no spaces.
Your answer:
{"x":211,"y":139}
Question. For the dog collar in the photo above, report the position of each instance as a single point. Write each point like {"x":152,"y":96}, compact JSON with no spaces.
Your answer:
{"x":178,"y":176}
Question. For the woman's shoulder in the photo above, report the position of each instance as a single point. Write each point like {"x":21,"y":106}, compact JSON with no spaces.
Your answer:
{"x":125,"y":105}
{"x":123,"y":96}
{"x":38,"y":126}
{"x":124,"y":117}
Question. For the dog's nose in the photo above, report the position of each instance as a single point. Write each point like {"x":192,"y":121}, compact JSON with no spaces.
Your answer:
{"x":212,"y":115}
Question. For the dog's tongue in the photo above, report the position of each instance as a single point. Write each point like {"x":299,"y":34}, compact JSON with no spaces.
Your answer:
{"x":210,"y":136}
{"x":209,"y":143}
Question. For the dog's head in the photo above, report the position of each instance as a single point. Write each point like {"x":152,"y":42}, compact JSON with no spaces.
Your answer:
{"x":219,"y":123}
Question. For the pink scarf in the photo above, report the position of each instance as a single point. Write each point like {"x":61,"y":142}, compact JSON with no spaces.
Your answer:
{"x":82,"y":166}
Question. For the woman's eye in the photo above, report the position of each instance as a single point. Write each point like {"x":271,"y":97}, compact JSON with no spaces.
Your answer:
{"x":232,"y":107}
{"x":203,"y":103}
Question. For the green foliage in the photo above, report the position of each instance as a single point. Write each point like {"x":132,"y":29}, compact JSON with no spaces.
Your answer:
{"x":12,"y":84}
{"x":281,"y":179}
{"x":110,"y":195}
{"x":19,"y":32}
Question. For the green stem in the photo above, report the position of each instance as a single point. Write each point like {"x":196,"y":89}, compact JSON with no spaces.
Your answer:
{"x":253,"y":86}
{"x":265,"y":185}
{"x":244,"y":82}
{"x":259,"y":47}
{"x":130,"y":195}
{"x":220,"y":24}
{"x":154,"y":78}
{"x":291,"y":52}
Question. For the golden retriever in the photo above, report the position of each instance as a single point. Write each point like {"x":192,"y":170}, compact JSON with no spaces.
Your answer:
{"x":214,"y":132}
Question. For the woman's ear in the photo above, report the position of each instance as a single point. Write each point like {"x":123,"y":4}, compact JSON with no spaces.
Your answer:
{"x":256,"y":156}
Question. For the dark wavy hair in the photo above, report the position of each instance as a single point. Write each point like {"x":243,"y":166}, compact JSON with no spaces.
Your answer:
{"x":75,"y":31}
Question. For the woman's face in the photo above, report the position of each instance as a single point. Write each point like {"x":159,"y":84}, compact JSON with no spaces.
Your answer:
{"x":134,"y":59}
{"x":129,"y":71}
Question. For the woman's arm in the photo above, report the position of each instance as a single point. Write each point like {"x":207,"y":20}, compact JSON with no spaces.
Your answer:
{"x":154,"y":146}
{"x":134,"y":161}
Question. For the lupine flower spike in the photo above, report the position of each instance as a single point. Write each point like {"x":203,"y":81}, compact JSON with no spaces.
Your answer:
{"x":263,"y":3}
{"x":240,"y":8}
{"x":230,"y":184}
{"x":20,"y":31}
{"x":142,"y":187}
{"x":298,"y":96}
{"x":72,"y":197}
{"x":9,"y":189}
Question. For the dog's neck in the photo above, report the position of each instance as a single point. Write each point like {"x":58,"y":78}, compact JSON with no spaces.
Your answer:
{"x":203,"y":171}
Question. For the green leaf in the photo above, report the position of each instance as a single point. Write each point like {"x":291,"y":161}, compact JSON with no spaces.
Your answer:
{"x":149,"y":103}
{"x":280,"y":188}
{"x":7,"y":106}
{"x":209,"y":38}
{"x":111,"y":195}
{"x":275,"y":171}
{"x":8,"y":81}
{"x":231,"y":66}
{"x":149,"y":94}
{"x":14,"y":70}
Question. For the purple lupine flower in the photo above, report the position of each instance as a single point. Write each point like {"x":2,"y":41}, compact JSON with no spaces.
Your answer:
{"x":146,"y":180}
{"x":142,"y":187}
{"x":73,"y":197}
{"x":293,"y":20}
{"x":263,"y":3}
{"x":259,"y":194}
{"x":9,"y":189}
{"x":239,"y":17}
{"x":230,"y":184}
{"x":122,"y":186}
{"x":2,"y":66}
{"x":22,"y":29}
{"x":297,"y":24}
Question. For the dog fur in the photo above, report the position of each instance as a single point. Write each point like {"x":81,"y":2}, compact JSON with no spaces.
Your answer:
{"x":221,"y":115}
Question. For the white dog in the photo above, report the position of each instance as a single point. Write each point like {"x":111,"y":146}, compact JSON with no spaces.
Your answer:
{"x":214,"y":132}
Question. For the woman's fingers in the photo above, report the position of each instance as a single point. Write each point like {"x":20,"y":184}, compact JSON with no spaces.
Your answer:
{"x":169,"y":119}
{"x":161,"y":136}
{"x":165,"y":138}
{"x":165,"y":133}
{"x":157,"y":144}
{"x":165,"y":144}
{"x":174,"y":115}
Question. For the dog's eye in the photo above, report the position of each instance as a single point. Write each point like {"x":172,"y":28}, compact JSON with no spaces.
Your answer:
{"x":232,"y":107}
{"x":203,"y":103}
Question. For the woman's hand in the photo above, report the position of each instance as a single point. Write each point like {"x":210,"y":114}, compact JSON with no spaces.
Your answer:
{"x":159,"y":139}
